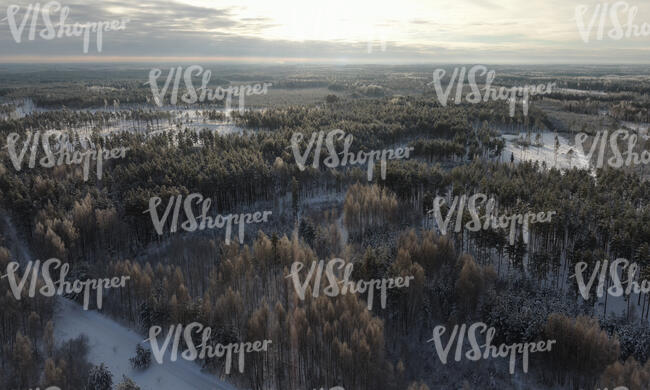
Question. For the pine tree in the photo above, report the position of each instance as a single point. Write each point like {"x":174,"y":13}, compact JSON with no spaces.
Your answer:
{"x":48,"y":338}
{"x":295,"y":196}
{"x":469,"y":284}
{"x":99,"y":378}
{"x":53,"y":374}
{"x":307,"y":231}
{"x":142,"y":358}
{"x":23,"y":358}
{"x":127,"y":384}
{"x":145,"y":315}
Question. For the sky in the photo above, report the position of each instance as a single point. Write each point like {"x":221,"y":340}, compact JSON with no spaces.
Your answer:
{"x":333,"y":31}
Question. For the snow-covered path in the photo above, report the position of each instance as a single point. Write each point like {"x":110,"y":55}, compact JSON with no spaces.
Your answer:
{"x":113,"y":344}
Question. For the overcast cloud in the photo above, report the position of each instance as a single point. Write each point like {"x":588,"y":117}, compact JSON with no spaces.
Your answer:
{"x":468,"y":31}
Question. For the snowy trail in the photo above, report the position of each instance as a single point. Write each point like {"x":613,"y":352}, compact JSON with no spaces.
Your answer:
{"x":113,"y":344}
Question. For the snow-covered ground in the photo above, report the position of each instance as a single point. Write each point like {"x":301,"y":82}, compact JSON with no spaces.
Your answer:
{"x":191,"y":118}
{"x":566,"y":157}
{"x":113,"y":344}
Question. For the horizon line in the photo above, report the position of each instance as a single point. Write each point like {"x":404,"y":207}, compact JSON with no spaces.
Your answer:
{"x":72,"y":60}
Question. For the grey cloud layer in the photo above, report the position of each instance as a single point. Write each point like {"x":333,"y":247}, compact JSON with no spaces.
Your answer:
{"x":170,"y":29}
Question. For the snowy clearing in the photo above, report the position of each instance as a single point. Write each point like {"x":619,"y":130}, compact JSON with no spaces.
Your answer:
{"x":113,"y":344}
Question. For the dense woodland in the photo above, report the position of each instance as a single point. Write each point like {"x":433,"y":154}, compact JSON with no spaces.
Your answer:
{"x":524,"y":290}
